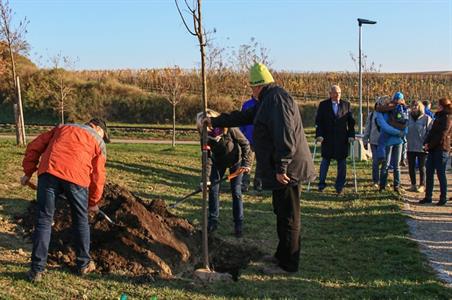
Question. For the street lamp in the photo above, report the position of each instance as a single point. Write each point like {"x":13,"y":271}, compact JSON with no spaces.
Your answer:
{"x":360,"y":23}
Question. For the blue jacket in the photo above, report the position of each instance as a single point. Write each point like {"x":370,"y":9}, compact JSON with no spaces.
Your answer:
{"x":248,"y":129}
{"x":392,"y":134}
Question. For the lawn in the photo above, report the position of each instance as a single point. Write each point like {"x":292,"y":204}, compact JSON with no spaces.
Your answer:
{"x":357,"y":246}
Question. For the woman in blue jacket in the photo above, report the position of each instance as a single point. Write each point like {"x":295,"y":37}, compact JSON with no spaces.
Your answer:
{"x":393,"y":142}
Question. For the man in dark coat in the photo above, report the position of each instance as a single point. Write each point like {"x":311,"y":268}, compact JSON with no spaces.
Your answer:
{"x":282,"y":156}
{"x":335,"y":129}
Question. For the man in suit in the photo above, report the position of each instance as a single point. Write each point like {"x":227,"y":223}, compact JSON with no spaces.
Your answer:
{"x":335,"y":129}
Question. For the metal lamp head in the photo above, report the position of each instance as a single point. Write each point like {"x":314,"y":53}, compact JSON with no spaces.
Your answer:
{"x":364,"y":21}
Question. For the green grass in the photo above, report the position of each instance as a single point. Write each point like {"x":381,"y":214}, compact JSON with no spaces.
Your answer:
{"x":355,"y":247}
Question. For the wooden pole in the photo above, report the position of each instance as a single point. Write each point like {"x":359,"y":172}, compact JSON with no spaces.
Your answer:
{"x":21,"y":113}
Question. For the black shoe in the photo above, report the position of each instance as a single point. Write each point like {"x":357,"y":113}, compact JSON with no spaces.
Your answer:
{"x":211,"y":228}
{"x":34,"y":276}
{"x":321,"y":189}
{"x":425,"y":201}
{"x":441,"y":202}
{"x":238,"y":233}
{"x":381,"y":189}
{"x":339,"y":193}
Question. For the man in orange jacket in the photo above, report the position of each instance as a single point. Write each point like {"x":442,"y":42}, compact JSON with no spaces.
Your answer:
{"x":71,"y":161}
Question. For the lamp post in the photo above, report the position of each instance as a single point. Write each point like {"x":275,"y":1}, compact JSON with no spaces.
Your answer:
{"x":360,"y":23}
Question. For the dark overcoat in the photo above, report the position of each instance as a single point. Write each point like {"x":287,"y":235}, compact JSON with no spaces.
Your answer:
{"x":279,"y":139}
{"x":335,"y":129}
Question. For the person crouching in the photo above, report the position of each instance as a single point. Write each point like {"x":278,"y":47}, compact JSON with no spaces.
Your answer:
{"x":229,"y":148}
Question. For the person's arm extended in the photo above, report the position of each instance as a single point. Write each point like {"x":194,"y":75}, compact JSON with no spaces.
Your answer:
{"x":388,"y":129}
{"x":98,"y":177}
{"x":235,"y":118}
{"x":34,"y":152}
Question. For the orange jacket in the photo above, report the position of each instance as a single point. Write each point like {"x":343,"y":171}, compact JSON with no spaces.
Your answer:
{"x":72,"y":152}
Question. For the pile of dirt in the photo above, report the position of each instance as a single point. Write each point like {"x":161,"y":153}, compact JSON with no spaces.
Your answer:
{"x":146,"y":239}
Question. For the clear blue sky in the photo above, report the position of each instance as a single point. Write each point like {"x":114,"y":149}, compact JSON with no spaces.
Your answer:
{"x":300,"y":35}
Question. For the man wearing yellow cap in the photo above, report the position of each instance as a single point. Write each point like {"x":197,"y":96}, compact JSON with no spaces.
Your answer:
{"x":282,"y":156}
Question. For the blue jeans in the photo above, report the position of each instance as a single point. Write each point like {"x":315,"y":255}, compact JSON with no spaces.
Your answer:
{"x":375,"y":164}
{"x":393,"y":154}
{"x":341,"y":173}
{"x":436,"y":160}
{"x":214,"y":196}
{"x":49,"y":188}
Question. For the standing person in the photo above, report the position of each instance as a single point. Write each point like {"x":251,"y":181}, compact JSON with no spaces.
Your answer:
{"x":427,"y":108}
{"x":437,"y":144}
{"x":71,"y":162}
{"x":371,"y":135}
{"x":283,"y":158}
{"x":419,"y":125}
{"x":391,"y":140}
{"x":247,"y":130}
{"x":335,"y":129}
{"x":229,"y":149}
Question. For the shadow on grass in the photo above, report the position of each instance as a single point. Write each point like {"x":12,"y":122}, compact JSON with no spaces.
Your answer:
{"x":158,"y":175}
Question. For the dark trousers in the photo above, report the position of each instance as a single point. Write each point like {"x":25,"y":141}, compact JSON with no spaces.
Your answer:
{"x":214,"y":196}
{"x":286,"y":205}
{"x":420,"y":156}
{"x":436,"y":160}
{"x":49,"y":188}
{"x":341,"y":173}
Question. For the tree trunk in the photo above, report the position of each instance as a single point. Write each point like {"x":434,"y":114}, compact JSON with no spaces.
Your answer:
{"x":173,"y":143}
{"x":19,"y":137}
{"x":204,"y":139}
{"x":21,"y":112}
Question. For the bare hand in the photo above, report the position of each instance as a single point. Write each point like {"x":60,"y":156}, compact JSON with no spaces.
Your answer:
{"x":282,"y":178}
{"x":94,"y":208}
{"x":426,"y":147}
{"x":319,"y":139}
{"x":207,"y":121}
{"x":245,"y":169}
{"x":24,"y":180}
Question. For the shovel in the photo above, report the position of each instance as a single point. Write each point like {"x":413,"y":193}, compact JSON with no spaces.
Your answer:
{"x":199,"y":190}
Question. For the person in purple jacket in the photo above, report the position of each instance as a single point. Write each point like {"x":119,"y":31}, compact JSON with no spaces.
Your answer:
{"x":247,"y":130}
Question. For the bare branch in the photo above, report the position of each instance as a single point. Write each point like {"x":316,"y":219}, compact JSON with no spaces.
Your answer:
{"x":183,"y":19}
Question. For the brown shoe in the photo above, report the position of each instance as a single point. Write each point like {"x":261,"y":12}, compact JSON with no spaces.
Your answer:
{"x":34,"y":276}
{"x":89,"y":268}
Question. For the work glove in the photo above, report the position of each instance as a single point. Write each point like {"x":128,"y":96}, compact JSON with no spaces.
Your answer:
{"x":319,"y":139}
{"x":94,"y":208}
{"x":351,"y":139}
{"x":24,"y":180}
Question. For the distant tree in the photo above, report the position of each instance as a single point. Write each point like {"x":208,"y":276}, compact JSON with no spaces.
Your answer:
{"x":248,"y":54}
{"x":59,"y":84}
{"x":174,"y":87}
{"x":14,"y":38}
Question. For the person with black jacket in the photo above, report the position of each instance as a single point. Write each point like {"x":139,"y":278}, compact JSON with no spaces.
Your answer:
{"x":229,"y":149}
{"x":335,"y":129}
{"x":437,"y":144}
{"x":282,"y":156}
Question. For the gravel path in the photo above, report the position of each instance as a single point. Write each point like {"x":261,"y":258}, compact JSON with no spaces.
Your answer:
{"x":431,"y":227}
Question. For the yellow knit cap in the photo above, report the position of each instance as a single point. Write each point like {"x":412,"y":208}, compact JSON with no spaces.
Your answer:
{"x":260,"y":75}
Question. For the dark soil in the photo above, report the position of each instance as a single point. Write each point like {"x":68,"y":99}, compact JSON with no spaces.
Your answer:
{"x":147,"y":239}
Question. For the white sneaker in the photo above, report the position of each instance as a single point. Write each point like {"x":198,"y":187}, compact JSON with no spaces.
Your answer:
{"x":421,"y":189}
